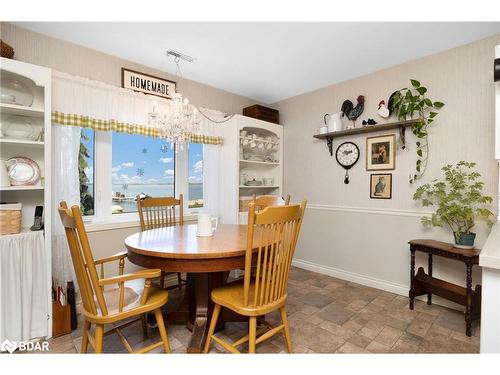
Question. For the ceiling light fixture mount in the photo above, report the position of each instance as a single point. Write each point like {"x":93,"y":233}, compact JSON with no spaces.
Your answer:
{"x":179,"y":56}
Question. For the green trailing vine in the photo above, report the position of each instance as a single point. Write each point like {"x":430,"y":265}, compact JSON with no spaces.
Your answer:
{"x":410,"y":103}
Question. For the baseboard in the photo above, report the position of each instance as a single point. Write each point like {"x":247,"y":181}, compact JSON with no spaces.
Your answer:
{"x":353,"y":277}
{"x":371,"y":282}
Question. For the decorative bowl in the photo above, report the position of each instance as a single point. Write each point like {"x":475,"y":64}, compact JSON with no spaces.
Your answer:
{"x":16,"y":90}
{"x":253,"y":183}
{"x":268,"y":181}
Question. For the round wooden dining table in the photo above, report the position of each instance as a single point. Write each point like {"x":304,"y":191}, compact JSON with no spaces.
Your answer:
{"x":207,"y":262}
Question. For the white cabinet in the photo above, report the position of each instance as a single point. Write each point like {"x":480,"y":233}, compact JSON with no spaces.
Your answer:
{"x":252,"y":163}
{"x":36,"y":112}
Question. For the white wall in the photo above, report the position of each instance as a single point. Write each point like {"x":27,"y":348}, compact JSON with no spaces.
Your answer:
{"x":349,"y":235}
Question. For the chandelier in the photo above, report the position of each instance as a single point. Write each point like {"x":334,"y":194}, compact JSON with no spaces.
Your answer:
{"x":178,"y":123}
{"x":181,"y":120}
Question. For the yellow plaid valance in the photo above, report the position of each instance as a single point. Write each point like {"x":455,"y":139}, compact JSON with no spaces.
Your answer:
{"x":114,"y":125}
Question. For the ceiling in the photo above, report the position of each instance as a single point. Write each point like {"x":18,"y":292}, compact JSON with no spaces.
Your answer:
{"x":269,"y":61}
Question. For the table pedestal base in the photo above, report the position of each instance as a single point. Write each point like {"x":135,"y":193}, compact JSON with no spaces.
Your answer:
{"x":196,"y":308}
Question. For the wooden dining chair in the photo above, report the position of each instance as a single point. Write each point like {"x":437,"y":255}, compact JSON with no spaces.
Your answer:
{"x":158,"y":213}
{"x":271,"y":239}
{"x":113,"y":299}
{"x":263,"y":201}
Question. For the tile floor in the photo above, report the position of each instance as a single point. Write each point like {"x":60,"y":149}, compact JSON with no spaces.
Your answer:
{"x":329,"y":315}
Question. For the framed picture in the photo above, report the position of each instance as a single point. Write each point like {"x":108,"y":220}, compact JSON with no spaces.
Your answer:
{"x":380,"y":153}
{"x":381,"y":186}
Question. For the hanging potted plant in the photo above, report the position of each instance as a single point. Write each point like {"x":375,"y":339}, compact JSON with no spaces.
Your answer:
{"x":412,"y":103}
{"x":459,"y":202}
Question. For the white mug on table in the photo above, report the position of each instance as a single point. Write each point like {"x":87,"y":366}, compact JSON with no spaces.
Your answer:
{"x":206,"y":225}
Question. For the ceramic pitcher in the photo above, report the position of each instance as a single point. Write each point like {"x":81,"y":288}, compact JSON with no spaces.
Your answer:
{"x":206,"y":225}
{"x":334,"y":122}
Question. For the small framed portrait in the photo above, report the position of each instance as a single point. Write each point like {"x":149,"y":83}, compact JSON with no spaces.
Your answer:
{"x":380,"y":153}
{"x":381,"y":186}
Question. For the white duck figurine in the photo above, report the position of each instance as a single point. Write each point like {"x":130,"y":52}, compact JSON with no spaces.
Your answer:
{"x":383,"y":111}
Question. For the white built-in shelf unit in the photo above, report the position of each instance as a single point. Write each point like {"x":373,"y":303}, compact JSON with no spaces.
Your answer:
{"x":39,"y":115}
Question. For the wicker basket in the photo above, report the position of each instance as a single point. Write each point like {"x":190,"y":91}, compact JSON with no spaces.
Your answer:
{"x":10,"y":218}
{"x":6,"y":50}
{"x":244,"y":201}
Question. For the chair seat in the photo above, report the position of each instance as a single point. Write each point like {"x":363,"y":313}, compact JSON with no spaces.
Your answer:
{"x":231,"y":296}
{"x":132,"y":294}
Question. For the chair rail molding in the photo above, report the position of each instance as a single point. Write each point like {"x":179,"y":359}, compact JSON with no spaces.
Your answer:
{"x":369,"y":210}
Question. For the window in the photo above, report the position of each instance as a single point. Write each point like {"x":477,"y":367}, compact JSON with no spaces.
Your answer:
{"x":86,"y":171}
{"x":126,"y":165}
{"x":140,"y":166}
{"x":195,"y":175}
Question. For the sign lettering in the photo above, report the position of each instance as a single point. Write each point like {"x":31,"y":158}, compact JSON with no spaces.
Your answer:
{"x":147,"y":84}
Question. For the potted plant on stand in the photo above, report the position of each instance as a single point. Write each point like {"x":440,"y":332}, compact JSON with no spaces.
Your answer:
{"x":459,"y":202}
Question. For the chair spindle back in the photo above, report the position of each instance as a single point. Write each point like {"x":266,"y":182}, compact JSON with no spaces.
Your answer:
{"x":83,"y":260}
{"x":271,"y":239}
{"x":160,"y":212}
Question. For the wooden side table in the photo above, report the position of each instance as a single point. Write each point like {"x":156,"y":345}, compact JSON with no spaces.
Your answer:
{"x":422,"y":283}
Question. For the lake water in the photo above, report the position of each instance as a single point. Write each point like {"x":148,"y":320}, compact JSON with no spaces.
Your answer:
{"x":195,"y":193}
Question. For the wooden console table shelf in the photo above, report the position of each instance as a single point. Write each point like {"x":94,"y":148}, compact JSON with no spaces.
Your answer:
{"x":366,"y":129}
{"x":422,"y":283}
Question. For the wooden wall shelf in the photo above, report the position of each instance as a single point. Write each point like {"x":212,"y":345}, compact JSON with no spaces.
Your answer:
{"x":401,"y":125}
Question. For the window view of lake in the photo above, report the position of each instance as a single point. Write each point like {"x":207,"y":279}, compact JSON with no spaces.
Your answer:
{"x":125,"y":198}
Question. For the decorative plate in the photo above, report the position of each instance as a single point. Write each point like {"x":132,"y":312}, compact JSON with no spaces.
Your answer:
{"x":20,"y":127}
{"x":22,"y":171}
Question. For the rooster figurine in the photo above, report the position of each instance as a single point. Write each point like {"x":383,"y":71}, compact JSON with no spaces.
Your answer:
{"x":383,"y":111}
{"x":352,"y":112}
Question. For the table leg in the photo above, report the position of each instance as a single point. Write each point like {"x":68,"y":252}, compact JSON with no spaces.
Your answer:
{"x":429,"y":295}
{"x":468,"y":313}
{"x":412,"y":279}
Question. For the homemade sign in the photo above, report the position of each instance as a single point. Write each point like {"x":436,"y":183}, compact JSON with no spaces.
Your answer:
{"x":147,"y":84}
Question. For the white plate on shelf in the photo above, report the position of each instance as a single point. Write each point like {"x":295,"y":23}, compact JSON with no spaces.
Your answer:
{"x":7,"y":98}
{"x":23,"y":171}
{"x":19,"y":127}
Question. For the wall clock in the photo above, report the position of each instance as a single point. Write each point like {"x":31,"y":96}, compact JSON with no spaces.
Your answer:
{"x":347,"y":155}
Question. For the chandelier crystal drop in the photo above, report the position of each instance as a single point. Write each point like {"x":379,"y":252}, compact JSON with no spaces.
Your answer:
{"x":178,"y":122}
